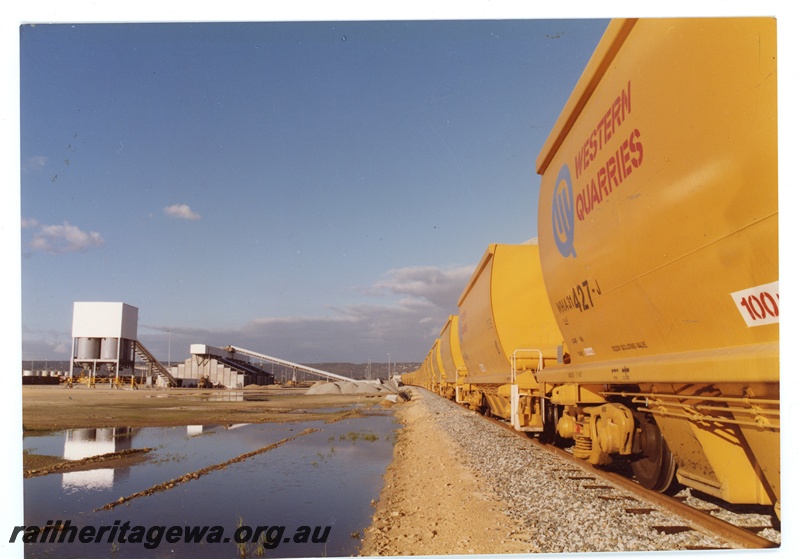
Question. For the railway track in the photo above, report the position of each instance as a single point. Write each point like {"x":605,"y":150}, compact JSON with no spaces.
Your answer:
{"x":640,"y":501}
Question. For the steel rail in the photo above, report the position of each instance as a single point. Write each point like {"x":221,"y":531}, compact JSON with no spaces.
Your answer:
{"x":697,"y":519}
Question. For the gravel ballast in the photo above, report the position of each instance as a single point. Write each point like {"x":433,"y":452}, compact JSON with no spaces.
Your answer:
{"x":557,"y":506}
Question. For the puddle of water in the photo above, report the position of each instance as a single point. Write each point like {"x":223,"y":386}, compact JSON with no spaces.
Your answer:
{"x":326,"y":478}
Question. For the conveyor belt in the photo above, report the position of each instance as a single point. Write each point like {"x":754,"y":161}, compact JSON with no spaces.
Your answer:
{"x":297,"y":366}
{"x":243,"y":367}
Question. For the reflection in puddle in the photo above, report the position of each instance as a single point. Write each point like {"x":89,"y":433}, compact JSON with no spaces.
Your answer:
{"x":326,"y":478}
{"x":85,"y":443}
{"x":195,"y":430}
{"x":223,"y":396}
{"x":90,"y":480}
{"x":232,"y":396}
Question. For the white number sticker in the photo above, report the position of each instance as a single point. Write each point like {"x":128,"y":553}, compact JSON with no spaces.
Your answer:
{"x":759,"y":305}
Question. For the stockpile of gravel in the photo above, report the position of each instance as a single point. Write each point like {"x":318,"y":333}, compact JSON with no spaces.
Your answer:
{"x":355,"y":387}
{"x":552,"y":512}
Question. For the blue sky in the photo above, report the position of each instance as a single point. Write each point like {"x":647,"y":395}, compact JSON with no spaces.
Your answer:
{"x":319,"y":191}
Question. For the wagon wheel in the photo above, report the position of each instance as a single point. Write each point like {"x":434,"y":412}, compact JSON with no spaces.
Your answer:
{"x":549,"y":434}
{"x":655,"y":467}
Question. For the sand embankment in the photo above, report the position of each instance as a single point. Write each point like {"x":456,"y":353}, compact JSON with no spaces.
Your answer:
{"x":431,"y":503}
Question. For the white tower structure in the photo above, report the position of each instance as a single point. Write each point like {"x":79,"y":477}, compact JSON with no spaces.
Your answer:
{"x":104,"y":336}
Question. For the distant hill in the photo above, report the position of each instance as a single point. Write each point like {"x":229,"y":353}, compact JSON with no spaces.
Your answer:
{"x":359,"y":370}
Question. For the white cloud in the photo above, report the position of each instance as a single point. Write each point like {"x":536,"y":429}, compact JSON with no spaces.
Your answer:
{"x":37,"y":162}
{"x":58,"y":239}
{"x":404,"y":313}
{"x":46,"y":344}
{"x":181,"y":211}
{"x":405,"y":327}
{"x":440,"y":286}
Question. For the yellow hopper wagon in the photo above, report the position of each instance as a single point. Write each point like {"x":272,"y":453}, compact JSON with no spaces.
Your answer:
{"x":507,"y":334}
{"x":658,"y":233}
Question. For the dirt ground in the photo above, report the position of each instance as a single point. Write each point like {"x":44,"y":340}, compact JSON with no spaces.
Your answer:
{"x":54,"y":408}
{"x":431,"y":504}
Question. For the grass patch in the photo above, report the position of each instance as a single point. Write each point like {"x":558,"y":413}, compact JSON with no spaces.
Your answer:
{"x":354,"y":436}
